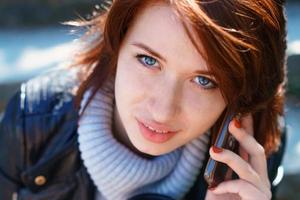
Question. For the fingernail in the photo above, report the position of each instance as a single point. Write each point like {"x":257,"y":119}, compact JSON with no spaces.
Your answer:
{"x":217,"y":149}
{"x":236,"y":123}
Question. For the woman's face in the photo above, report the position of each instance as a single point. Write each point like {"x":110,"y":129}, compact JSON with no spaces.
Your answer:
{"x":163,"y":82}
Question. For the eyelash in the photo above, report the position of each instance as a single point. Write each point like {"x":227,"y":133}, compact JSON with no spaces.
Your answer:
{"x":141,"y":56}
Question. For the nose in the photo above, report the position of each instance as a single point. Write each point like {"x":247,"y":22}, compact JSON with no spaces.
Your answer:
{"x":164,"y":102}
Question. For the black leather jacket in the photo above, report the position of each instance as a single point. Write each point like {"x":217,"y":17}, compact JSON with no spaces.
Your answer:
{"x":39,"y":155}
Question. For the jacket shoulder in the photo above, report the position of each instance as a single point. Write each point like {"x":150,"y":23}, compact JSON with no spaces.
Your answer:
{"x":49,"y":92}
{"x":38,"y":131}
{"x":41,"y":111}
{"x":50,"y":115}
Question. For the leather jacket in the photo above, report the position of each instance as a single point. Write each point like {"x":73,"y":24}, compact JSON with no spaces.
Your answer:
{"x":39,"y":155}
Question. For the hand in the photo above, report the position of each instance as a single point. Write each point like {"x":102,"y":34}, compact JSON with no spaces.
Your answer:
{"x":250,"y":165}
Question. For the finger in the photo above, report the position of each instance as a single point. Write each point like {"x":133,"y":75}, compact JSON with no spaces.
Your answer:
{"x":257,"y":157}
{"x":242,"y":188}
{"x":247,"y":123}
{"x":243,"y":154}
{"x":240,"y":166}
{"x":229,"y":196}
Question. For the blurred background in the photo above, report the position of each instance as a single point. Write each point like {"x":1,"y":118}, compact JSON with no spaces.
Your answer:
{"x":33,"y":40}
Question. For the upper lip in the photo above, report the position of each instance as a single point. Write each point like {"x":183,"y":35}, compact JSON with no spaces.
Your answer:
{"x":157,"y":126}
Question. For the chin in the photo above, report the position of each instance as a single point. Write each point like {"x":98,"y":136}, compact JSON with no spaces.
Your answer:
{"x":152,"y":150}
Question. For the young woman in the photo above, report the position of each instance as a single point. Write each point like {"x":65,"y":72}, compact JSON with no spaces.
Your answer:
{"x":137,"y":116}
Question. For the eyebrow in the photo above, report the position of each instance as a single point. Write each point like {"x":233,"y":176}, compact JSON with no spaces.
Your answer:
{"x":156,"y":54}
{"x":149,"y":50}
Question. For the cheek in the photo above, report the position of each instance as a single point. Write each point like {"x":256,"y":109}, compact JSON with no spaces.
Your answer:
{"x":203,"y":110}
{"x":130,"y":87}
{"x":124,"y":77}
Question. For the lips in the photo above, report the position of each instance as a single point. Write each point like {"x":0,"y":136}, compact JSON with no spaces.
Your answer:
{"x":159,"y":128}
{"x":154,"y":136}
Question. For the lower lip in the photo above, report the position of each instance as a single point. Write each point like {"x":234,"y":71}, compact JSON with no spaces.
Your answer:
{"x":153,"y":136}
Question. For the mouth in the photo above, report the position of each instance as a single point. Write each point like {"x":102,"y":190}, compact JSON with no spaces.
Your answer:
{"x":156,"y":133}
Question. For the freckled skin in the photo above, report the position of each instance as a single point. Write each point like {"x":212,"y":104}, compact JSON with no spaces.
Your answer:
{"x":167,"y":92}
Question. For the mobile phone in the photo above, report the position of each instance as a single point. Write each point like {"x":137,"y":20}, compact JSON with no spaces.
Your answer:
{"x":216,"y":172}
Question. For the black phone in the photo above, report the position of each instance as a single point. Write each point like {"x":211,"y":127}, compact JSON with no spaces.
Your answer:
{"x":216,"y":172}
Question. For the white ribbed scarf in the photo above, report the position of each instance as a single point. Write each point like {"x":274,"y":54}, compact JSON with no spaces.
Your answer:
{"x":117,"y":172}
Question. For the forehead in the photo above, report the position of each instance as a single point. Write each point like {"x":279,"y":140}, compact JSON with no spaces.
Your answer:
{"x":159,"y":27}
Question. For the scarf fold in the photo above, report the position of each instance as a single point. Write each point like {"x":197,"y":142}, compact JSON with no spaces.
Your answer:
{"x":119,"y":173}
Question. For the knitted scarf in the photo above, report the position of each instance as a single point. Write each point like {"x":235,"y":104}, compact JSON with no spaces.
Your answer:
{"x":119,"y":173}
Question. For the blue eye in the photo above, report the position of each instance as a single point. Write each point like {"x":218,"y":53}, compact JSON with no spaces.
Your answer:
{"x":204,"y":82}
{"x":146,"y":60}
